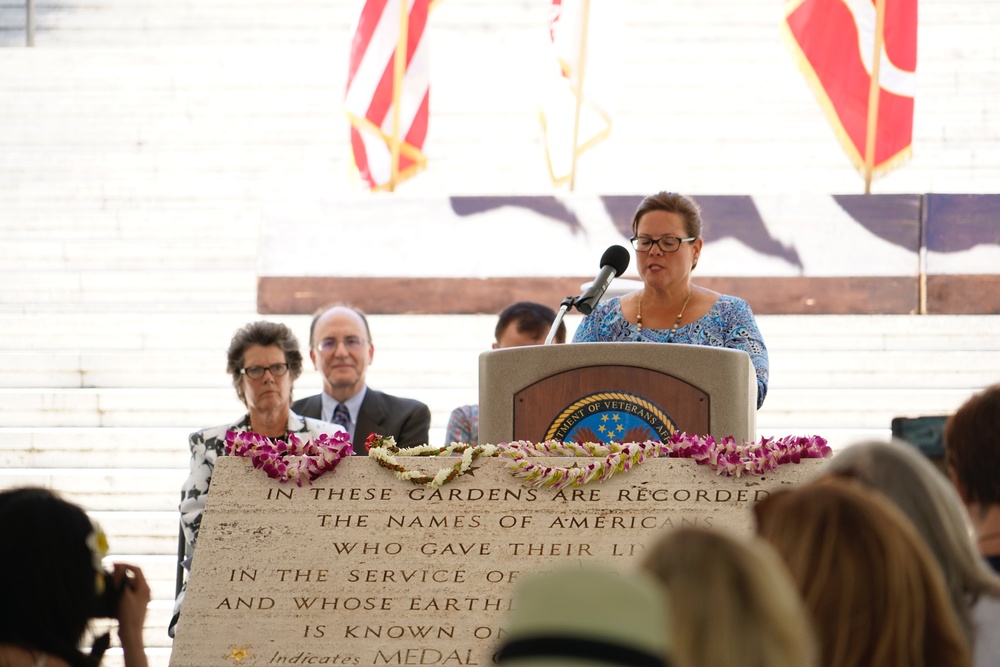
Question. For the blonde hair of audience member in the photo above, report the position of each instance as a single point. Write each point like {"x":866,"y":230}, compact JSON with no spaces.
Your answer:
{"x":740,"y":607}
{"x":932,"y":505}
{"x":874,"y":592}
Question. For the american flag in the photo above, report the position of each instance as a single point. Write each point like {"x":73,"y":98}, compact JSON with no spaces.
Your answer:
{"x":834,"y":44}
{"x":388,"y":89}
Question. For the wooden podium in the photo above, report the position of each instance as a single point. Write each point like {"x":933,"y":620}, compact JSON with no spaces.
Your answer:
{"x":615,"y":391}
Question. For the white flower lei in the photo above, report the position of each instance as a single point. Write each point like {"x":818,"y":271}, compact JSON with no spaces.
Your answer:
{"x":725,"y":456}
{"x":383,"y":450}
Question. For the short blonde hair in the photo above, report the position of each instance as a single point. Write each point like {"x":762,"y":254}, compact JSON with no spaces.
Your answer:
{"x":874,"y":591}
{"x":735,"y":603}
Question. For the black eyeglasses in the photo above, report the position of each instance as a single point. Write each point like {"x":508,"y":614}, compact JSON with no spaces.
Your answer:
{"x":257,"y":372}
{"x":665,"y":243}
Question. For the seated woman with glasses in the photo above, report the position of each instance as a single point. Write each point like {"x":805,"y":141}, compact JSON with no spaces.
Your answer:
{"x":263,"y":360}
{"x":666,"y":235}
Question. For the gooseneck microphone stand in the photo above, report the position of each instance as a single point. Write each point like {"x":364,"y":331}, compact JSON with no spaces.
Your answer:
{"x":567,"y":303}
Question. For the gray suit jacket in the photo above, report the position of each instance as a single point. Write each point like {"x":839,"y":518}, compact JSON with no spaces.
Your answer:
{"x":405,"y":419}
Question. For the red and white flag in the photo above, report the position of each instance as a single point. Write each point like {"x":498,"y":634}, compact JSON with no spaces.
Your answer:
{"x":388,"y":88}
{"x":834,"y":43}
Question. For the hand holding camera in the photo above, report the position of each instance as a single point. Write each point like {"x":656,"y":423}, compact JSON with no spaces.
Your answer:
{"x":126,"y":596}
{"x":124,"y":585}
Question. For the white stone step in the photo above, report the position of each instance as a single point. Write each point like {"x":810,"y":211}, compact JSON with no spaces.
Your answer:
{"x":446,"y":369}
{"x":818,"y":409}
{"x":157,"y":102}
{"x":136,"y":329}
{"x":147,"y":329}
{"x":880,"y":332}
{"x":191,"y":408}
{"x":234,"y":190}
{"x":218,"y":288}
{"x":38,"y":448}
{"x":155,"y":222}
{"x":193,"y":368}
{"x":117,"y":407}
{"x":872,"y":369}
{"x":117,"y":490}
{"x":136,"y":255}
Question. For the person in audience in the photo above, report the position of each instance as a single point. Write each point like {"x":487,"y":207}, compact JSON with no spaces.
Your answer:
{"x":667,"y":237}
{"x":972,"y":454}
{"x":740,"y":606}
{"x":918,"y":488}
{"x":264,"y":361}
{"x":521,"y":324}
{"x":586,"y":617}
{"x":341,"y":348}
{"x":876,"y":596}
{"x":54,"y":583}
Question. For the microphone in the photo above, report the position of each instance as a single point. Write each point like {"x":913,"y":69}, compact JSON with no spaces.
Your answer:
{"x":614,"y":261}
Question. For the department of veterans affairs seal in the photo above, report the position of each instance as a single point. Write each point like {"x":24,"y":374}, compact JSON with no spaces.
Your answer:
{"x":616,"y":416}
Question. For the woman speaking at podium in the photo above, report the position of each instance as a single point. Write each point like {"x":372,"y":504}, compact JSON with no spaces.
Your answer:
{"x":666,"y":235}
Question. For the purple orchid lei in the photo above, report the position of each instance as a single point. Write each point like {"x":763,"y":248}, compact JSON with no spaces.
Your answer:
{"x":290,"y":459}
{"x":756,"y":458}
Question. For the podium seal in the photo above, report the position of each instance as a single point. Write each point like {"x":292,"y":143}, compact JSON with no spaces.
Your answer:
{"x":616,"y":416}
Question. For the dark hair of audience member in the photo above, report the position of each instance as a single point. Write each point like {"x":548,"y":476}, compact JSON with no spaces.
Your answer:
{"x":531,"y":318}
{"x":264,"y":334}
{"x":48,"y":587}
{"x":737,"y":605}
{"x":972,"y":452}
{"x":930,"y":502}
{"x":874,"y":591}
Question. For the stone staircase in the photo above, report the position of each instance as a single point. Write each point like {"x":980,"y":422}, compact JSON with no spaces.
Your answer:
{"x":141,"y":142}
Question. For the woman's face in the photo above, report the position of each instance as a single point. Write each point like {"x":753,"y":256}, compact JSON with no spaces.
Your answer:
{"x":268,"y":392}
{"x":656,"y":267}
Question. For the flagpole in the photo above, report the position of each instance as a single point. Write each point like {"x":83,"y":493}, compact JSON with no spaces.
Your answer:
{"x":398,"y":72}
{"x":874,"y":90}
{"x":578,"y":91}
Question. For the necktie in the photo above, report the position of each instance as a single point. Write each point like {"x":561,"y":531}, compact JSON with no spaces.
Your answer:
{"x":342,"y":416}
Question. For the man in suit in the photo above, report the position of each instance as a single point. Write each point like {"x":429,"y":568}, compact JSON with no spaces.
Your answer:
{"x":341,"y":348}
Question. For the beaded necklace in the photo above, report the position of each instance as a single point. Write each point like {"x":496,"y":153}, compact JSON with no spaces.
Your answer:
{"x":676,"y":322}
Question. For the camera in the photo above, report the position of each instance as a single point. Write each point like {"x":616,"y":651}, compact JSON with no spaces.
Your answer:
{"x":106,"y":604}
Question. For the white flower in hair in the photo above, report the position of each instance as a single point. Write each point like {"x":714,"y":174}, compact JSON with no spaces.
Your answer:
{"x":97,"y":542}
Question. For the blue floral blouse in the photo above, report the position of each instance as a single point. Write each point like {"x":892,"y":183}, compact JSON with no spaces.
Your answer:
{"x":463,"y":425}
{"x":729,"y":323}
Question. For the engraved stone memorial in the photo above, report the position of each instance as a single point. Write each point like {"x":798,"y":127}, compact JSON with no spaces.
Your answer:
{"x":364,"y":569}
